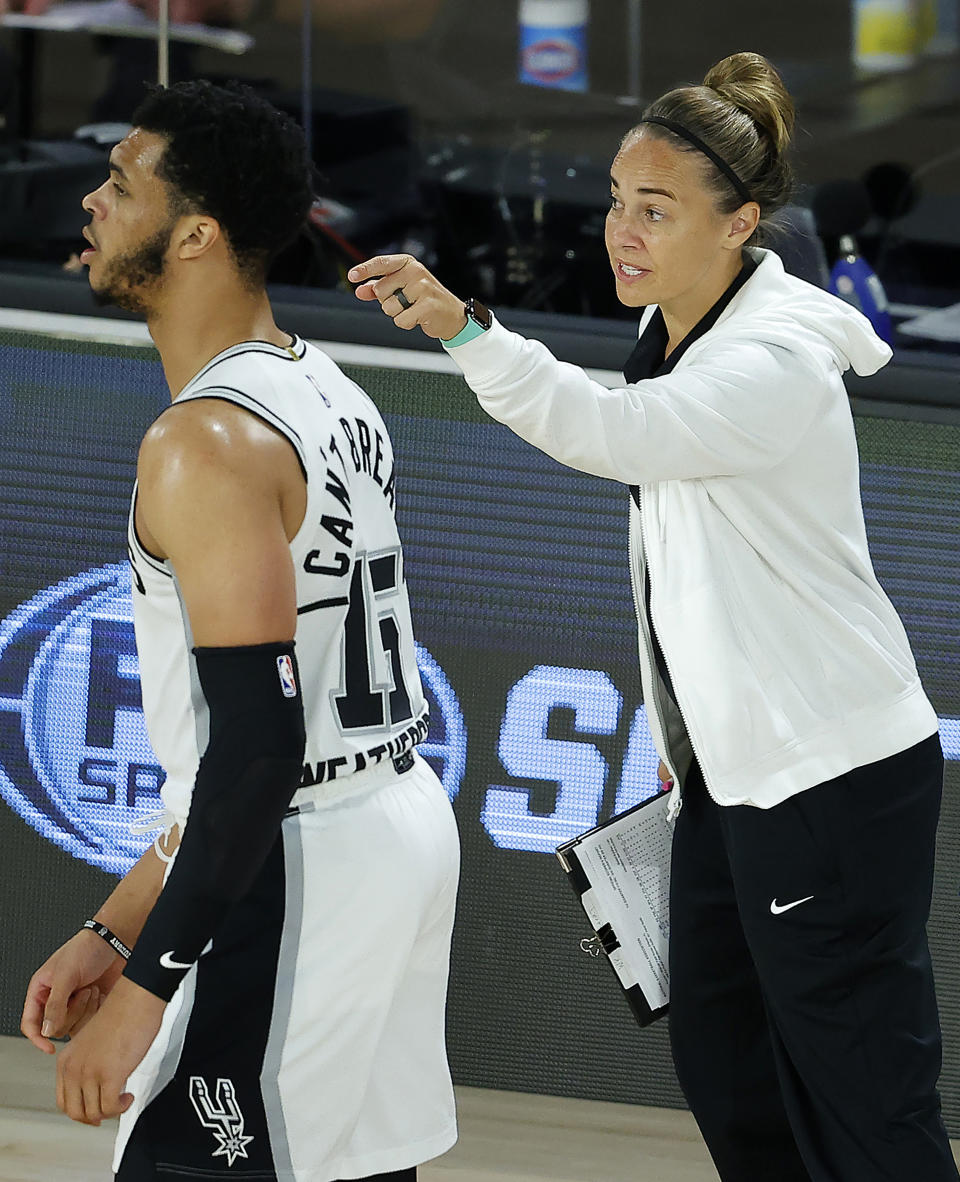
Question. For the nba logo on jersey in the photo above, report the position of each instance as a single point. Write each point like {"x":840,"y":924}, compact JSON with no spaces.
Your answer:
{"x":288,"y":683}
{"x":316,"y":385}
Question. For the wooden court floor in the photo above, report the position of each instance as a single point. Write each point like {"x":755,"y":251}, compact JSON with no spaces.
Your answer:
{"x":504,"y":1136}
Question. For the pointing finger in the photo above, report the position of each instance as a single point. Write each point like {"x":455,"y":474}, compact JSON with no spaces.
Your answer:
{"x":381,"y":265}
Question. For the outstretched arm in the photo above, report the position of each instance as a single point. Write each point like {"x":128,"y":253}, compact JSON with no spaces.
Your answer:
{"x":739,"y":410}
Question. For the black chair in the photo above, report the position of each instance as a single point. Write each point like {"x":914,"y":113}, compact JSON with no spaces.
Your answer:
{"x":793,"y":235}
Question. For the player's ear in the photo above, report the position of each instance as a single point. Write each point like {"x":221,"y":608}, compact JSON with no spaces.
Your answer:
{"x":195,"y":235}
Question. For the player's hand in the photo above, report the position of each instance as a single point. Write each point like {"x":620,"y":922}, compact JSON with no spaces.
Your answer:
{"x":663,"y":774}
{"x":93,"y":1070}
{"x":66,"y":991}
{"x":431,"y":306}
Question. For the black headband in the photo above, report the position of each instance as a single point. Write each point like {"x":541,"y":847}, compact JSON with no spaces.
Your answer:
{"x":678,"y":129}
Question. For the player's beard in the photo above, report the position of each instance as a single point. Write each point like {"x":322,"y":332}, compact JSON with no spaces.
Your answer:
{"x":130,"y":280}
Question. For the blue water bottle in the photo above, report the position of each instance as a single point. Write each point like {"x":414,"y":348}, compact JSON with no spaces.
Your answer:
{"x":854,"y":280}
{"x":553,"y":43}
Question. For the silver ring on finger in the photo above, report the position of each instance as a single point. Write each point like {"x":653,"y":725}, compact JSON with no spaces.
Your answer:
{"x":400,"y":296}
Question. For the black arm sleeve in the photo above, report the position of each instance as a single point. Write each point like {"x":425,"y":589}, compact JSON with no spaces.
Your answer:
{"x":247,"y":776}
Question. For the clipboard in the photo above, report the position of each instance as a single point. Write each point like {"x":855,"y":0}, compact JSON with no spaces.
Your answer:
{"x":620,"y":871}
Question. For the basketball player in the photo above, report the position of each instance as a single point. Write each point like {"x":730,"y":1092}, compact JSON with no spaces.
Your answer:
{"x":275,"y":969}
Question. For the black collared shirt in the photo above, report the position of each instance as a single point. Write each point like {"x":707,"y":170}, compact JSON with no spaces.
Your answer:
{"x":649,"y":360}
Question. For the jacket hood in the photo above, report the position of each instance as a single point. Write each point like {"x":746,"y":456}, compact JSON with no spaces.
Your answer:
{"x":783,"y":310}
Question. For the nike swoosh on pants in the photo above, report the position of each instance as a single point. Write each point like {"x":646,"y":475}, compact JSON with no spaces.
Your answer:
{"x":778,"y":909}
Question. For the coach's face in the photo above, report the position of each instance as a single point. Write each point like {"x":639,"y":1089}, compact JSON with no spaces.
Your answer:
{"x":130,"y":227}
{"x":665,"y":237}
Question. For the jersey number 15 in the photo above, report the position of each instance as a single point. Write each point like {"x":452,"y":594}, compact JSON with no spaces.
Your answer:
{"x":373,"y":695}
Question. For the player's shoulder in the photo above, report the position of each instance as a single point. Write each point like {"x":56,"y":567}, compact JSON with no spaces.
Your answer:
{"x":213,"y":432}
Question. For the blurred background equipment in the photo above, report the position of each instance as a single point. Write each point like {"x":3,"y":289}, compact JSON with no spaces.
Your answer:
{"x":842,"y":209}
{"x":893,"y":34}
{"x":41,"y":185}
{"x":43,"y":179}
{"x":7,"y":90}
{"x":481,"y":139}
{"x":889,"y":34}
{"x":553,"y":43}
{"x":794,"y":237}
{"x":131,"y":39}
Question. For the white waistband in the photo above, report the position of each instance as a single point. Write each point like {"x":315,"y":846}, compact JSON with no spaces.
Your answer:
{"x":315,"y":796}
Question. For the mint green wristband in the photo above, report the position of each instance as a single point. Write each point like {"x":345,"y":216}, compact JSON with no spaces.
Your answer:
{"x":469,"y":333}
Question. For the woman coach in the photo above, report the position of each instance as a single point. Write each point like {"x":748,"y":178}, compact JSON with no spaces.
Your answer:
{"x":780,"y":685}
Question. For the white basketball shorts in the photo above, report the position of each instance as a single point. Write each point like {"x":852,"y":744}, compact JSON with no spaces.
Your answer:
{"x":307,"y":1044}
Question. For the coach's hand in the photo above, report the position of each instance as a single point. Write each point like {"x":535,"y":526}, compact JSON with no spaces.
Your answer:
{"x":409,"y":295}
{"x":92,"y":1070}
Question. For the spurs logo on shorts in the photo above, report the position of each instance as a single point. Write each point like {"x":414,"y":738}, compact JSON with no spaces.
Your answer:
{"x":224,"y":1118}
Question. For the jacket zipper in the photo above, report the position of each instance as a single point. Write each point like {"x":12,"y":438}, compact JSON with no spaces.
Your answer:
{"x":653,"y":708}
{"x":674,"y":810}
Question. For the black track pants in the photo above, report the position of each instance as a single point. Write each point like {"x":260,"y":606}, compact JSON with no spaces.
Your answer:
{"x":803,"y":1019}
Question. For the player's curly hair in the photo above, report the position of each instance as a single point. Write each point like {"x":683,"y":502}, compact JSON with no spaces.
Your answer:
{"x":233,"y":156}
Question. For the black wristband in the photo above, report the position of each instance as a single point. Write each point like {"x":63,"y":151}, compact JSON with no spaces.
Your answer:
{"x":94,"y":925}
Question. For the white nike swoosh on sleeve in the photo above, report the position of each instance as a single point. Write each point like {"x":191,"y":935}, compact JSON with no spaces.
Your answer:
{"x":167,"y":962}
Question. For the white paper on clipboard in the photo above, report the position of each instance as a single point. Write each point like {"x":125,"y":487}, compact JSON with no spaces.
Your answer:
{"x":627,"y":862}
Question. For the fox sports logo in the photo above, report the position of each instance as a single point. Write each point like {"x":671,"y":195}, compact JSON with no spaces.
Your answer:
{"x":75,"y":760}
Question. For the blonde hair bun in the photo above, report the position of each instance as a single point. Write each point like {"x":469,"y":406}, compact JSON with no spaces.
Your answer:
{"x":750,"y":83}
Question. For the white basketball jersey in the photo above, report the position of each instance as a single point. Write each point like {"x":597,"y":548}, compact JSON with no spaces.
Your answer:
{"x":361,"y":690}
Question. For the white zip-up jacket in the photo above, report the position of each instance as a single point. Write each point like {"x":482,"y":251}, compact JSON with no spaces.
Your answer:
{"x":789,"y":663}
